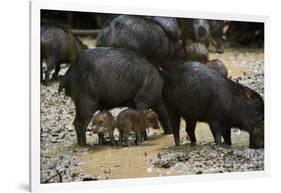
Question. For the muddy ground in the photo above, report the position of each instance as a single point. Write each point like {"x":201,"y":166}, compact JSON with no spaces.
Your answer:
{"x":63,"y":161}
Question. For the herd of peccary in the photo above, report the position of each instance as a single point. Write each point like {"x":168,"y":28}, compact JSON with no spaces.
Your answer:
{"x":145,"y":63}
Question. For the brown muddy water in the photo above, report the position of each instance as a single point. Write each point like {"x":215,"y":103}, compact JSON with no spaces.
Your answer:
{"x":134,"y":162}
{"x":156,"y":157}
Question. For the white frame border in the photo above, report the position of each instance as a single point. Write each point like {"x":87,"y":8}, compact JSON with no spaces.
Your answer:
{"x":34,"y":102}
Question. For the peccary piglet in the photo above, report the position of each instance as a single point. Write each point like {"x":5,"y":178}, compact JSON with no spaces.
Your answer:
{"x":197,"y":93}
{"x":218,"y":29}
{"x":104,"y":122}
{"x":131,"y":120}
{"x":218,"y":66}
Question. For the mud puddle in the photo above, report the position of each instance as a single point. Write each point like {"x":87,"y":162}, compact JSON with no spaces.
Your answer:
{"x":126,"y":162}
{"x":135,"y":161}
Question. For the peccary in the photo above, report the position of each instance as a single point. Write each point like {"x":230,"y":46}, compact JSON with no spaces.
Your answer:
{"x":136,"y":121}
{"x":198,"y":93}
{"x":103,"y":123}
{"x":105,"y":78}
{"x":57,"y":46}
{"x":144,"y":36}
{"x":169,"y":24}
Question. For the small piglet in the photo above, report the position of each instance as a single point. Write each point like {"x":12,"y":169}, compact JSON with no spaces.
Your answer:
{"x":103,"y":123}
{"x":132,"y":120}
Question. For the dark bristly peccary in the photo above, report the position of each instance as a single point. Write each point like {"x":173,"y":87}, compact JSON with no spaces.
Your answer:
{"x":144,"y":36}
{"x":197,"y":93}
{"x":204,"y":31}
{"x":105,"y":78}
{"x":201,"y":32}
{"x":57,"y":46}
{"x":218,"y":66}
{"x":169,"y":24}
{"x":194,"y":30}
{"x":102,"y":123}
{"x":218,"y":29}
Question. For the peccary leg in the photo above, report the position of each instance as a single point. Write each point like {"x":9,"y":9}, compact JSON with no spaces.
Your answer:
{"x":226,"y":133}
{"x":190,"y":130}
{"x":47,"y":77}
{"x":138,"y":138}
{"x":216,"y":131}
{"x":85,"y":107}
{"x":56,"y":73}
{"x":144,"y":135}
{"x":174,"y":118}
{"x":100,"y":138}
{"x":111,"y":136}
{"x":80,"y":128}
{"x":50,"y":64}
{"x":41,"y":71}
{"x":126,"y":138}
{"x":161,"y":111}
{"x":121,"y":135}
{"x":175,"y":121}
